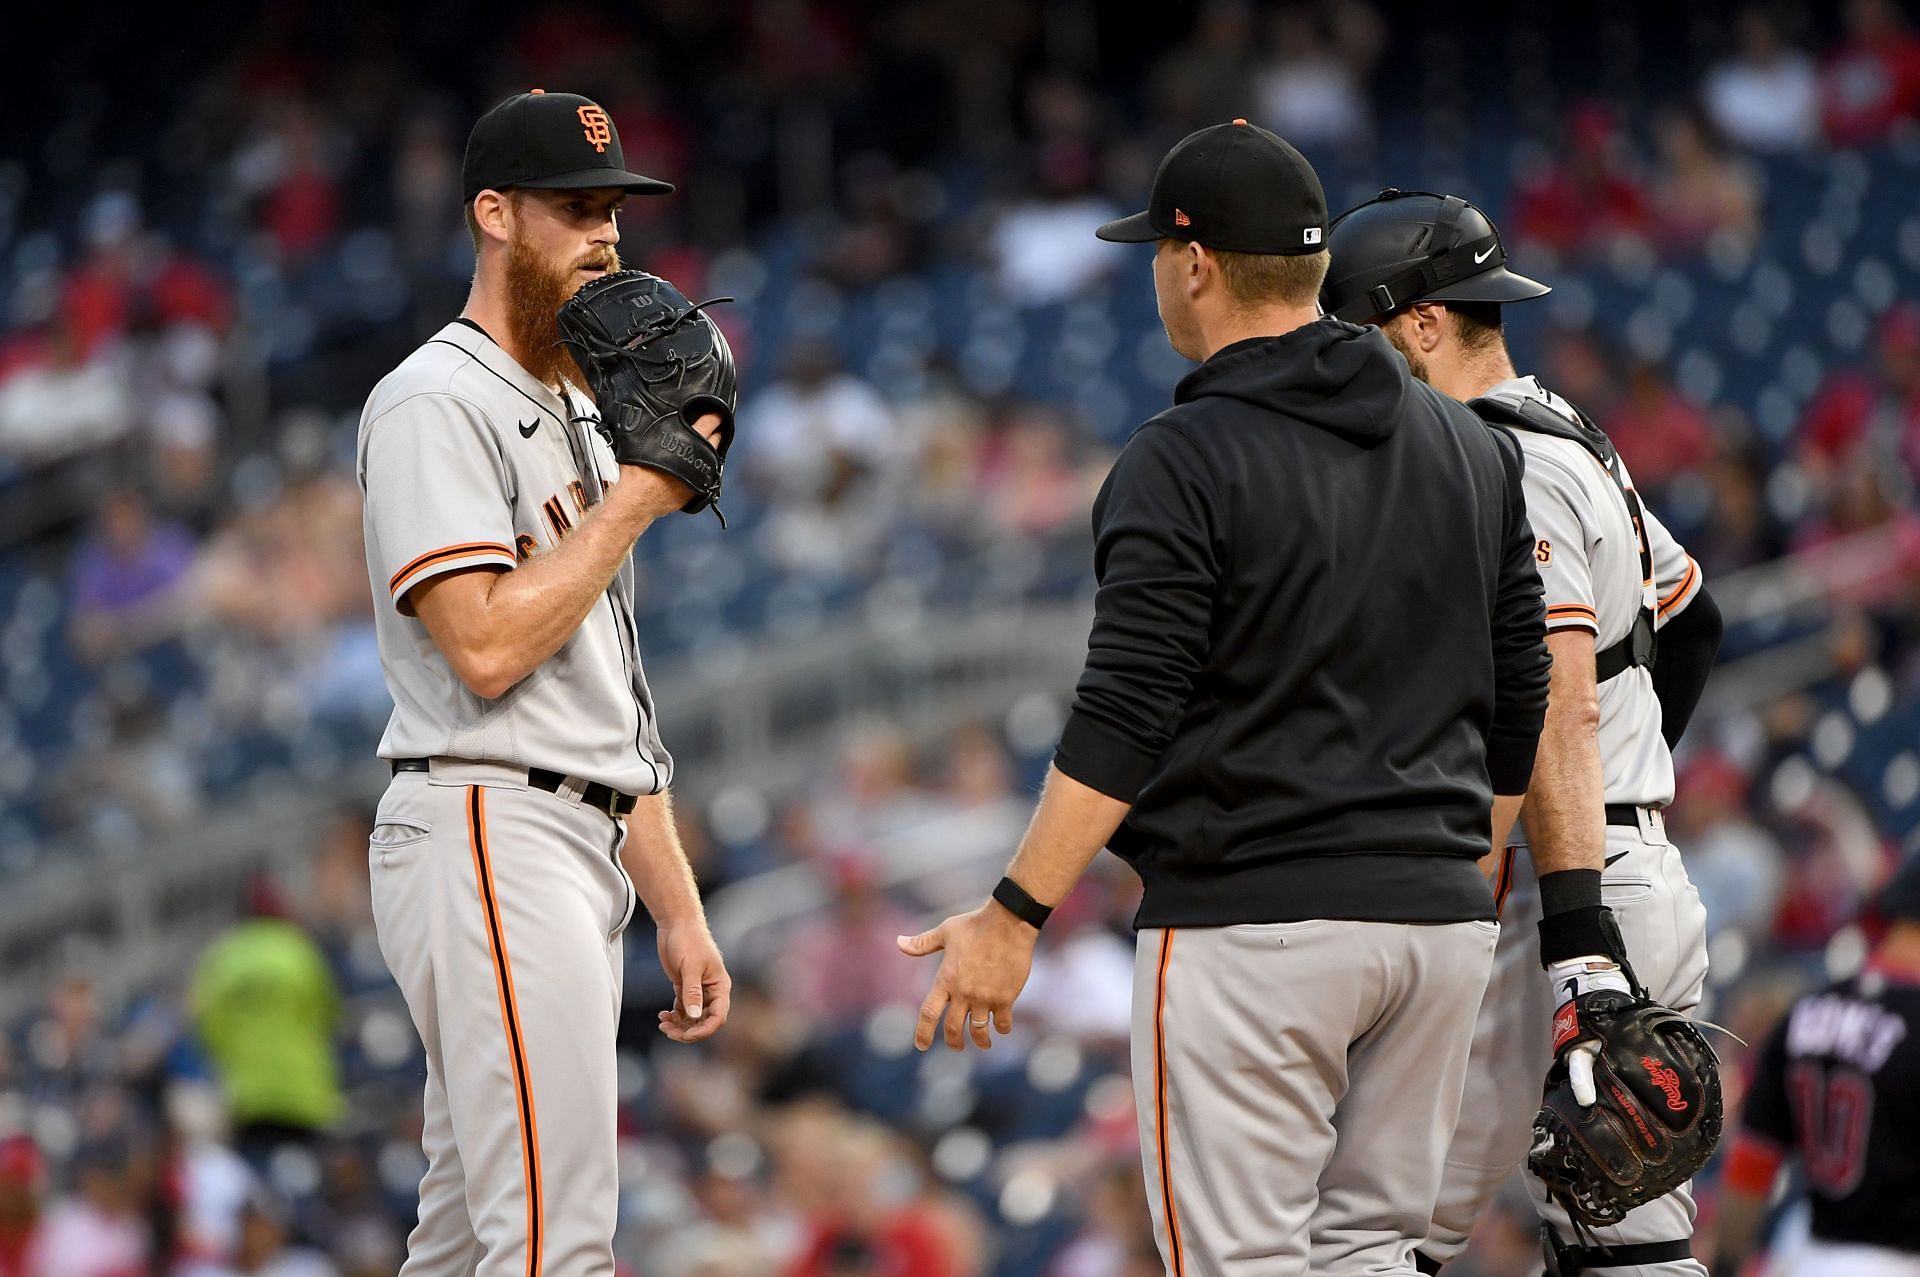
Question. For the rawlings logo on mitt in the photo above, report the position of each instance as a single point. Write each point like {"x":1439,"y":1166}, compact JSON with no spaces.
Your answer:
{"x":656,"y":364}
{"x":1655,"y":1119}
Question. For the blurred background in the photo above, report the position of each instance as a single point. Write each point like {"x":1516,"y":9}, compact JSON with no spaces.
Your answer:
{"x":217,"y":231}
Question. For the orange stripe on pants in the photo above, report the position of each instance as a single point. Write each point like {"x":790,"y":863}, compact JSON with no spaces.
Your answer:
{"x":1160,"y":1105}
{"x":510,"y":1019}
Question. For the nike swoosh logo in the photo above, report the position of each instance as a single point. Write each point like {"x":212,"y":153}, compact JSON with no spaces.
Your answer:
{"x":1481,"y":257}
{"x":528,"y":427}
{"x":1611,"y":859}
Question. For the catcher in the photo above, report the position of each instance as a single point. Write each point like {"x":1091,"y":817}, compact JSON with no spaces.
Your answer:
{"x":529,"y":803}
{"x":1632,"y":1093}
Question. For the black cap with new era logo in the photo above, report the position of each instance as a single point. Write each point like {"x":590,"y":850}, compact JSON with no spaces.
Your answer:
{"x":550,"y":141}
{"x":1235,"y":187}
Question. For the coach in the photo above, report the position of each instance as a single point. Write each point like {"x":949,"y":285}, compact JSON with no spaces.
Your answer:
{"x":1317,"y":657}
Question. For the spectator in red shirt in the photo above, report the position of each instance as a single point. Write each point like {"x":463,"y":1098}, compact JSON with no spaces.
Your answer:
{"x":1874,"y":410}
{"x":128,"y":275}
{"x":22,"y":1185}
{"x":1587,"y":196}
{"x":1871,"y":79}
{"x":301,"y":210}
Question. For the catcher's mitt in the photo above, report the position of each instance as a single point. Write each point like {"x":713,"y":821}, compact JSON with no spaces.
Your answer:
{"x":1653,"y":1124}
{"x":655,"y":364}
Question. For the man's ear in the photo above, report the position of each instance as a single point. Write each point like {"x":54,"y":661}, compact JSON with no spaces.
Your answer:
{"x":1202,"y":268}
{"x":492,"y":211}
{"x":1429,"y":325}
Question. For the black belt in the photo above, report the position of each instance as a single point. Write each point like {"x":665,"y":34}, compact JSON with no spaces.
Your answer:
{"x":597,"y":796}
{"x":1570,"y":1261}
{"x":1626,"y":814}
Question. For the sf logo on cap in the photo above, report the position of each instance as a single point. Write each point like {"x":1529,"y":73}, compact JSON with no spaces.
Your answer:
{"x":598,"y":129}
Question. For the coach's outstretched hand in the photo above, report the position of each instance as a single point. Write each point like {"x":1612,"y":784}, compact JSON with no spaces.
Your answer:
{"x":703,"y":991}
{"x":989,"y":954}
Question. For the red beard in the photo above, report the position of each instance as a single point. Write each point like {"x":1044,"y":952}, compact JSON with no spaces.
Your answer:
{"x":535,"y":293}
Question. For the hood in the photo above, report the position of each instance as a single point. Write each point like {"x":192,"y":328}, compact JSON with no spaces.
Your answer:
{"x":1339,"y":377}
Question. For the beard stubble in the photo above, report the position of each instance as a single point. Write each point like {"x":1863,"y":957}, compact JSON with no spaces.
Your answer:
{"x":1416,"y":364}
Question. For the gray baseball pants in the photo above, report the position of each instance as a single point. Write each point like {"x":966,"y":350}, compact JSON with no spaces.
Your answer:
{"x":1665,"y":928}
{"x":1297,"y":1084}
{"x":499,"y":910}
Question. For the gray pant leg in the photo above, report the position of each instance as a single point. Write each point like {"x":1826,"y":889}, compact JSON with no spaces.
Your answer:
{"x":442,"y":1240}
{"x":1405,"y":1080}
{"x":502,"y":927}
{"x":1512,"y":1050}
{"x":1247,"y":1042}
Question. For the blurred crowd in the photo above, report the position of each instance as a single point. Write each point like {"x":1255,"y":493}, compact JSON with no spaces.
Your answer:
{"x":260,"y":1113}
{"x":938,"y":361}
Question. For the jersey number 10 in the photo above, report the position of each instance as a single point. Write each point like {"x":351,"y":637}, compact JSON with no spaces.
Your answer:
{"x":1833,"y":1111}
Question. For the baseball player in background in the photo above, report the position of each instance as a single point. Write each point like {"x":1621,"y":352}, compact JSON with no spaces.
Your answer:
{"x":1837,"y":1085}
{"x":1430,"y":271}
{"x":1316,"y":658}
{"x":528,"y":767}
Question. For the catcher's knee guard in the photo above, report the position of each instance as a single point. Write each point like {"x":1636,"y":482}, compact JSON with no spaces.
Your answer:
{"x":1653,"y":1124}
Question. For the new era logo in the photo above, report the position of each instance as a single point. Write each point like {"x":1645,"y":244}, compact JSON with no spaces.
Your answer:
{"x":1312,"y":235}
{"x":1181,"y":219}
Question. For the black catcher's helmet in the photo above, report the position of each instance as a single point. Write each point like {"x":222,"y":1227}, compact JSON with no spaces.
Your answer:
{"x":1403,"y":247}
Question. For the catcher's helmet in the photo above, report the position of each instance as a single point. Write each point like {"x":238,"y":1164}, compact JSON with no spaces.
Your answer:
{"x":1403,"y":247}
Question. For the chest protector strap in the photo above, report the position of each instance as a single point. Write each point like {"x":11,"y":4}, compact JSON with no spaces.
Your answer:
{"x":1521,"y":413}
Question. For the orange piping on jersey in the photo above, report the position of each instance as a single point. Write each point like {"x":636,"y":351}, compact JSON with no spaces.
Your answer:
{"x":432,"y":557}
{"x":510,"y":1019}
{"x":1672,"y":602}
{"x":1179,"y":1268}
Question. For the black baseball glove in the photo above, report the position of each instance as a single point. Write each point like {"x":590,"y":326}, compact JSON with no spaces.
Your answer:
{"x":656,"y":364}
{"x":1655,"y":1118}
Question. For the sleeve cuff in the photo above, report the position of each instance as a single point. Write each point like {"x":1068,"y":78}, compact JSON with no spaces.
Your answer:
{"x":1510,"y":764}
{"x":1093,"y":755}
{"x":1573,"y":616}
{"x":446,"y":559}
{"x":1676,"y":599}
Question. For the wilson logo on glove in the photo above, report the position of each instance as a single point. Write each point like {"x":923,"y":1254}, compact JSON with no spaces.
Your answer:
{"x":1666,"y":1080}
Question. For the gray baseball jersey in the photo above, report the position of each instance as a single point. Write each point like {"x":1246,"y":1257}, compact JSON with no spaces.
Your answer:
{"x":465,"y":460}
{"x":1588,"y":552}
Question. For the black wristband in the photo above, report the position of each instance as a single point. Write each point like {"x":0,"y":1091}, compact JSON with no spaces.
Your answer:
{"x":1017,"y":902}
{"x":1569,"y":889}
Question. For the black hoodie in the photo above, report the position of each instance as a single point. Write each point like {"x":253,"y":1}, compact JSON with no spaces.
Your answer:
{"x":1318,"y":644}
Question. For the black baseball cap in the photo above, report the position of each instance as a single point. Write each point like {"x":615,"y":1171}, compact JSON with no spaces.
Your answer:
{"x":1235,"y":187}
{"x":548,"y":141}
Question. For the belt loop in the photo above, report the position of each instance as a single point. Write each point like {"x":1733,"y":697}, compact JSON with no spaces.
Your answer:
{"x":1653,"y":826}
{"x":573,"y":789}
